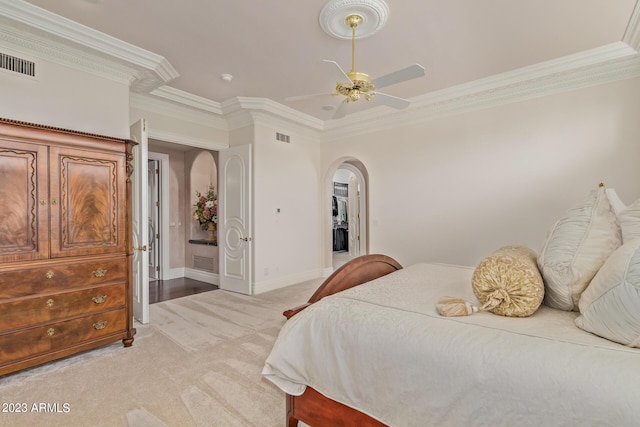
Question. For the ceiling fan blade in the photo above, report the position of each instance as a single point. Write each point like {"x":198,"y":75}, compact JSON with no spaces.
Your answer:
{"x":302,"y":97}
{"x":338,"y":73}
{"x":390,"y":101}
{"x":411,"y":72}
{"x":341,"y":111}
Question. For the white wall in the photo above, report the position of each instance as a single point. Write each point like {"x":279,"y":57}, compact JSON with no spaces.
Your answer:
{"x":179,"y":218}
{"x":454,"y":189}
{"x":286,"y":176}
{"x":64,"y":97}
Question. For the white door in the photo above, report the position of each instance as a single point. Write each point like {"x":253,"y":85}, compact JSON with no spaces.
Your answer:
{"x":153,"y":177}
{"x":353,"y":216}
{"x":234,"y":219}
{"x":140,"y":222}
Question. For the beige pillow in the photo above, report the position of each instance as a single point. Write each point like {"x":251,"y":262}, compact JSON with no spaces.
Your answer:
{"x":610,"y":306}
{"x":508,"y":282}
{"x":576,"y":247}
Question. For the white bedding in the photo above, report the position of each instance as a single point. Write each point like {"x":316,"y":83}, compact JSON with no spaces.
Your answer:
{"x":382,"y":348}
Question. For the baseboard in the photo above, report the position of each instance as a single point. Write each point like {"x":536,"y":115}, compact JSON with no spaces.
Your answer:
{"x":281,"y":282}
{"x":259,"y":287}
{"x":202,"y":276}
{"x":174,"y":273}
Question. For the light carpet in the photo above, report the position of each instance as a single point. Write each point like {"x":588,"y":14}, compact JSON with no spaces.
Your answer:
{"x":197,"y":363}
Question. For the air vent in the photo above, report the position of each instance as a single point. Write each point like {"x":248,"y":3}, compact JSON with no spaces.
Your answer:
{"x":17,"y":65}
{"x":203,"y":263}
{"x":282,"y":137}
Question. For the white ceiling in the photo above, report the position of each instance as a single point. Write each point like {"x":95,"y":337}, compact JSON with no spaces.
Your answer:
{"x":274,"y":49}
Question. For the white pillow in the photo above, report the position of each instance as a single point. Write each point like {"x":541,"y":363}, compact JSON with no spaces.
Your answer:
{"x":576,"y":247}
{"x":629,"y":219}
{"x":610,"y":306}
{"x":628,"y":216}
{"x":616,"y":204}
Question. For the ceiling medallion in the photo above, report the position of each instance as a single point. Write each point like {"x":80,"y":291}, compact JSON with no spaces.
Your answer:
{"x":374,"y":14}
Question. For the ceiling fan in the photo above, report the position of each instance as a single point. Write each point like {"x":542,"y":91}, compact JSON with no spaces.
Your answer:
{"x":354,"y":84}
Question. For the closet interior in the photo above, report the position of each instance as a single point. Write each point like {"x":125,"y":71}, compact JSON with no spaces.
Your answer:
{"x":340,"y":210}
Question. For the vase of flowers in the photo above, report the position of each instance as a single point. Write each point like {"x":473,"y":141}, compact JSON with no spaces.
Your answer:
{"x":206,"y":212}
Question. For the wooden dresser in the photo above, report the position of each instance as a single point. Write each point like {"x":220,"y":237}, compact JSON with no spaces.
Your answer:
{"x":65,"y":243}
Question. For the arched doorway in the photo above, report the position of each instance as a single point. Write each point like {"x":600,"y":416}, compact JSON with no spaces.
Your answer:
{"x":346,"y":212}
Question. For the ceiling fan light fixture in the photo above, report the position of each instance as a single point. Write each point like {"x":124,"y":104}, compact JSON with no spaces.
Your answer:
{"x":354,"y":95}
{"x":340,"y":19}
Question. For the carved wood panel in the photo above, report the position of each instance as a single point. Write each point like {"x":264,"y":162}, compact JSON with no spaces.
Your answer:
{"x":23,"y":184}
{"x":85,"y":213}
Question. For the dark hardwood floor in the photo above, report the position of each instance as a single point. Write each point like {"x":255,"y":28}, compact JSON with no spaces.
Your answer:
{"x":162,"y":290}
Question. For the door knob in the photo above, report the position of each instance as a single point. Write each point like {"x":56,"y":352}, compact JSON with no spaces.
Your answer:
{"x":142,"y":248}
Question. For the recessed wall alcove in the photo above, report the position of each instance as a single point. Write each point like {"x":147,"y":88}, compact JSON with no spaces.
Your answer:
{"x":202,"y":172}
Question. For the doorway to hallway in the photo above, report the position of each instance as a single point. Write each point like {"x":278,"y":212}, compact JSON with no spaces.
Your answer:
{"x":163,"y":290}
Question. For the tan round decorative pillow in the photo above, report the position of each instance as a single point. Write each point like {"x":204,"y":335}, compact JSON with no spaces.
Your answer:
{"x":508,"y":282}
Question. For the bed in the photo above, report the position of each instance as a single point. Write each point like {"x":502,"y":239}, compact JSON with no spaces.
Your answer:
{"x":369,"y":349}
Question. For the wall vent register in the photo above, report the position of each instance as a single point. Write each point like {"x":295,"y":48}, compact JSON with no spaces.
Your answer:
{"x":17,"y":65}
{"x":282,"y":137}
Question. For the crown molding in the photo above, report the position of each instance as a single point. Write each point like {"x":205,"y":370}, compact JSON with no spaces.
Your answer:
{"x":262,"y":118}
{"x":607,"y":64}
{"x":632,"y":33}
{"x":232,"y":107}
{"x":188,"y":99}
{"x":27,"y":43}
{"x":186,"y":140}
{"x":69,"y":43}
{"x":177,"y":110}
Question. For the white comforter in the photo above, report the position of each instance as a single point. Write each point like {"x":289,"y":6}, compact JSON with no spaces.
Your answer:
{"x":382,"y":348}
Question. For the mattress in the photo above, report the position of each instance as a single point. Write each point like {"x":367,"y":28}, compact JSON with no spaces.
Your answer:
{"x":382,"y":348}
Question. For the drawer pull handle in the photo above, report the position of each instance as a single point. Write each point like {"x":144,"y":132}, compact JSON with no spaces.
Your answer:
{"x":100,"y":272}
{"x":99,"y":299}
{"x":50,"y":332}
{"x":99,"y":325}
{"x":50,"y":302}
{"x":49,"y":274}
{"x":54,"y":202}
{"x":43,"y":202}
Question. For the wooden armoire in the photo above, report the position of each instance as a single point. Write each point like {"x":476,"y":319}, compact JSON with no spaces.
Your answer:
{"x":65,"y":243}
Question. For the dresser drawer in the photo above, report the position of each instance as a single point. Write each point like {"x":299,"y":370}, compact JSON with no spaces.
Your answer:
{"x":60,"y":335}
{"x":46,"y":308}
{"x":61,"y":276}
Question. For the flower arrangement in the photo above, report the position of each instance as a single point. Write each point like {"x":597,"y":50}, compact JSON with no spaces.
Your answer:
{"x":206,"y":209}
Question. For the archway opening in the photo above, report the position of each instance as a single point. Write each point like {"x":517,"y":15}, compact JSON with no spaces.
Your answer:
{"x":346,"y":213}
